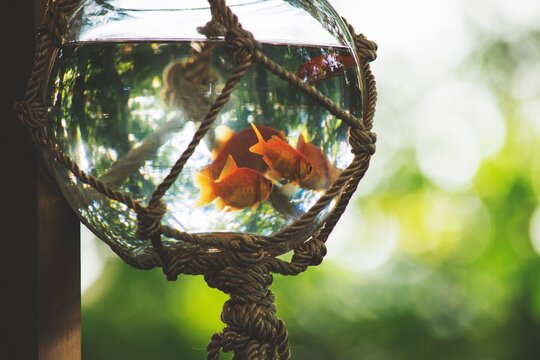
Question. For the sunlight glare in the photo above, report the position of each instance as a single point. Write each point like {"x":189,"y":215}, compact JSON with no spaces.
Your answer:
{"x":534,"y":230}
{"x":363,"y":241}
{"x":92,"y":260}
{"x":436,"y":225}
{"x":457,"y":126}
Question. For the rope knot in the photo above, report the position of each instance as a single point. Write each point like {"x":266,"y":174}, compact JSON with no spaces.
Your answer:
{"x":244,"y":284}
{"x":242,"y":43}
{"x":149,"y":220}
{"x":252,"y":329}
{"x":30,"y":114}
{"x":309,"y":253}
{"x":317,"y":250}
{"x":257,"y":321}
{"x":244,"y":242}
{"x":366,"y":48}
{"x":362,"y":141}
{"x":212,"y":29}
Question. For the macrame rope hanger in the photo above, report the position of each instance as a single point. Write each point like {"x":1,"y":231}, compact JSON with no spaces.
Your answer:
{"x":240,"y":265}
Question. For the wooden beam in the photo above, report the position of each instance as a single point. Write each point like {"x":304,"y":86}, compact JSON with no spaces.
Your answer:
{"x":18,"y":205}
{"x":39,"y":237}
{"x":59,"y":294}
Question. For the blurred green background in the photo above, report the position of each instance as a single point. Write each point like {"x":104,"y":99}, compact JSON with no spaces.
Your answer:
{"x":437,"y":256}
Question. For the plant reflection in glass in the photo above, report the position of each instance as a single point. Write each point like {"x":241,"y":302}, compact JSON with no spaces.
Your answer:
{"x":126,"y":111}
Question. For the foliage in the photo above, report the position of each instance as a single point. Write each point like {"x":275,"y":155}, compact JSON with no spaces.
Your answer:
{"x":418,"y":269}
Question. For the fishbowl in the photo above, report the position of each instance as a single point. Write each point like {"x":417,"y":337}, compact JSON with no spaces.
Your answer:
{"x":133,"y":80}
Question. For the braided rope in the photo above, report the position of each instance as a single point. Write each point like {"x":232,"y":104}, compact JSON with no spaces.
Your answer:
{"x":252,"y":330}
{"x":238,"y":264}
{"x":367,"y":49}
{"x":306,"y":89}
{"x":369,"y":114}
{"x":54,"y":150}
{"x":44,"y":44}
{"x":206,"y":124}
{"x":245,"y":47}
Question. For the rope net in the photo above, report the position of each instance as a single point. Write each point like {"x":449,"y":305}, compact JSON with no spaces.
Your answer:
{"x":243,"y":263}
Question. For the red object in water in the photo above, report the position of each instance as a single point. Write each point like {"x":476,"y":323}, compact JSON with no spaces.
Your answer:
{"x":324,"y":66}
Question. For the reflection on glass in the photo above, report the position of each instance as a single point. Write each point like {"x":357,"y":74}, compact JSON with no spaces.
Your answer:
{"x":125,"y":112}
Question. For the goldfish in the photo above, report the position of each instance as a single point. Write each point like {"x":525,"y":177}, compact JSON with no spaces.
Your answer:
{"x":324,"y":172}
{"x":235,"y":189}
{"x":324,"y":66}
{"x":237,"y":145}
{"x":284,"y":160}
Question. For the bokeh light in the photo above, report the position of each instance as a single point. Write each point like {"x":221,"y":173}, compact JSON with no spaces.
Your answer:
{"x":438,"y":254}
{"x":535,"y":230}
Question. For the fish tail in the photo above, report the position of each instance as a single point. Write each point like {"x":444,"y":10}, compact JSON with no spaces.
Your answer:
{"x":258,"y":148}
{"x":207,"y":171}
{"x":207,"y":185}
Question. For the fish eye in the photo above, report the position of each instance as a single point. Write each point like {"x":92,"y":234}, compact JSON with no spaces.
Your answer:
{"x":309,"y":168}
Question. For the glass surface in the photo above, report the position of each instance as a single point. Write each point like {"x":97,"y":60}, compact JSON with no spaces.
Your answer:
{"x":125,"y":110}
{"x":273,"y":21}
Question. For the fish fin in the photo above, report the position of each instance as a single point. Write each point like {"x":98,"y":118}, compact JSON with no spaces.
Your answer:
{"x":206,"y":184}
{"x":267,"y":161}
{"x":277,"y":143}
{"x":278,"y":139}
{"x":255,"y":206}
{"x":273,"y":175}
{"x":221,"y":204}
{"x":229,"y":167}
{"x":223,"y":135}
{"x":301,"y":141}
{"x":258,"y":148}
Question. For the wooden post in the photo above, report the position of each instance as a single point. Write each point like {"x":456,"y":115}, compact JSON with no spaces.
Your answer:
{"x":39,"y":238}
{"x":59,"y":287}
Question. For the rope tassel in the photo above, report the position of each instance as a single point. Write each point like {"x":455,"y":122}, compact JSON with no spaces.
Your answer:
{"x":253,"y":331}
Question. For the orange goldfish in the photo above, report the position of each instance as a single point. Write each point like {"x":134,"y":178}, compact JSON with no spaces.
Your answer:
{"x":236,"y":188}
{"x":324,"y":172}
{"x":324,"y":66}
{"x":237,"y":145}
{"x":282,"y":158}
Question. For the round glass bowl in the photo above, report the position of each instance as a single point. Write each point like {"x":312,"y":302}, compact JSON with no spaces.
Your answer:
{"x":133,"y":80}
